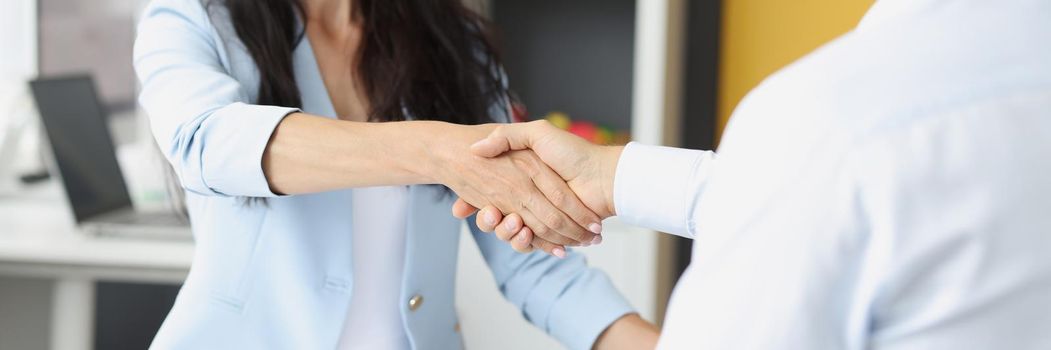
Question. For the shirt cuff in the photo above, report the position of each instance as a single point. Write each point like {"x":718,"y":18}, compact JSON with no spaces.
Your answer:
{"x":237,"y":137}
{"x":656,"y":187}
{"x":586,"y":310}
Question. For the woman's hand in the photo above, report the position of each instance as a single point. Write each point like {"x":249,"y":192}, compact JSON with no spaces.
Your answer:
{"x":516,"y":182}
{"x":587,"y":169}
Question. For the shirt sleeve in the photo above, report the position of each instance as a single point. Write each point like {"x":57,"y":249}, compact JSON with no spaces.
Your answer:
{"x":565,"y":298}
{"x":658,"y":187}
{"x":201,"y":117}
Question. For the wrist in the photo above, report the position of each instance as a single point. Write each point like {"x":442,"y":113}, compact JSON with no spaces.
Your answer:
{"x":426,"y":149}
{"x":609,"y":157}
{"x":443,"y":147}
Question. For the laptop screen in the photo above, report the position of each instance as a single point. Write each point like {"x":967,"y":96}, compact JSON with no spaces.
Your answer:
{"x":84,"y":152}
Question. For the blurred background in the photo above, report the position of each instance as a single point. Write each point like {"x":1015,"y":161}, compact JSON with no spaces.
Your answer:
{"x":657,"y":71}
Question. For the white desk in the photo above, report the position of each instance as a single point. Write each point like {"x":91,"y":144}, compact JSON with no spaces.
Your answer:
{"x":38,"y":238}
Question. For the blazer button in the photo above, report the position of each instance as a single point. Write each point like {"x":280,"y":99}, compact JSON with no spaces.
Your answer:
{"x":415,"y":302}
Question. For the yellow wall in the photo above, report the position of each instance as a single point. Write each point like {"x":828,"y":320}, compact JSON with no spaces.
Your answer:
{"x":761,"y":36}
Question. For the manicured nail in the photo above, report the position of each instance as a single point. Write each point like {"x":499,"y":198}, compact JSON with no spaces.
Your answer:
{"x":597,"y":240}
{"x":510,"y":226}
{"x":595,"y":228}
{"x":521,"y":238}
{"x":490,"y":220}
{"x":559,"y":252}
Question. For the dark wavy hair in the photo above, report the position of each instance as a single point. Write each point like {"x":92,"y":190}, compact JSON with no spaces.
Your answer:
{"x":424,"y":59}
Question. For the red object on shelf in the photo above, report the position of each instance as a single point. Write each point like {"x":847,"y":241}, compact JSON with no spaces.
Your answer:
{"x":585,"y":130}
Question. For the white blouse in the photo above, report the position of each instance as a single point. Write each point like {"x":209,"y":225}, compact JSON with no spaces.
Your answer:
{"x":379,"y":224}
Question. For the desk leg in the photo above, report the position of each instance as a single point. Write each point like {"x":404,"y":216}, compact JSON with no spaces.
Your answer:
{"x":73,"y":314}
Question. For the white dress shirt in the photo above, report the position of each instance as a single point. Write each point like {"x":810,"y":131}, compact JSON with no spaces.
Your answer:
{"x":892,"y":190}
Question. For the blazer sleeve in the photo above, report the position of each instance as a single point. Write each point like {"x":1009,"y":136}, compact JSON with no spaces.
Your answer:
{"x":564,"y":297}
{"x":200,"y":116}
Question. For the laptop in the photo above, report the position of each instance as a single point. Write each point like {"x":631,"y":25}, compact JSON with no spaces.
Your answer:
{"x":75,"y":124}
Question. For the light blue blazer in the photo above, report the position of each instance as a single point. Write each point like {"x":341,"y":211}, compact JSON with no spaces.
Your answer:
{"x":279,"y":275}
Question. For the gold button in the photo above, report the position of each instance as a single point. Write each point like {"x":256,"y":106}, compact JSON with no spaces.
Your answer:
{"x":415,"y":302}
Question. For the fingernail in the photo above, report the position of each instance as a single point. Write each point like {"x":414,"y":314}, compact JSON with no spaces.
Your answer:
{"x":559,"y":252}
{"x":595,"y":228}
{"x":521,"y":238}
{"x":597,"y":240}
{"x":510,"y":226}
{"x":490,"y":220}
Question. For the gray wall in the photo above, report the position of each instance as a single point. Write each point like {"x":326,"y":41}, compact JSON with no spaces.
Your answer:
{"x":127,"y":315}
{"x":572,"y":56}
{"x":25,"y":313}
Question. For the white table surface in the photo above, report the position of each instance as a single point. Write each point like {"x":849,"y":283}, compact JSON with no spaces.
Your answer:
{"x":38,"y":237}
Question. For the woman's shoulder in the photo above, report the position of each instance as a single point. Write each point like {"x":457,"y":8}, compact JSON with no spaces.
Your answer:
{"x":205,"y":15}
{"x":201,"y":30}
{"x":191,"y":10}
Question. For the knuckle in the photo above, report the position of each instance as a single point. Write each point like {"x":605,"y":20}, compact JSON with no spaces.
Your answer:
{"x":540,"y":231}
{"x":554,"y":220}
{"x":584,"y":237}
{"x":577,"y":236}
{"x":530,"y":200}
{"x":560,"y":197}
{"x":541,"y":244}
{"x":562,"y":240}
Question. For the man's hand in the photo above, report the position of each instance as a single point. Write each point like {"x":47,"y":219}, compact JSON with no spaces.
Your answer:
{"x":588,"y":169}
{"x":517,"y":181}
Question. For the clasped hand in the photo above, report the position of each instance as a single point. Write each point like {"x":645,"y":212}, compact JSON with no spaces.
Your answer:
{"x":575,"y":177}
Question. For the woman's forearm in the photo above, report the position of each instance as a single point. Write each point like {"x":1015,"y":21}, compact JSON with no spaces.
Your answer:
{"x":308,"y":154}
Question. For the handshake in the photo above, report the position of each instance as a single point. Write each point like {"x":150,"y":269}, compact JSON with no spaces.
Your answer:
{"x":563,"y":191}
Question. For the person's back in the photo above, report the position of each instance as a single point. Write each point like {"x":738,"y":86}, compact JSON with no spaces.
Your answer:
{"x":890,"y":191}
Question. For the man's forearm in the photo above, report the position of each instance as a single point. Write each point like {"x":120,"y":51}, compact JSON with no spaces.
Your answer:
{"x":629,"y":332}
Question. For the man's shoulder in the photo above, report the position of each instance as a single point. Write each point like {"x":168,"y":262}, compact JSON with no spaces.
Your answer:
{"x":894,"y":74}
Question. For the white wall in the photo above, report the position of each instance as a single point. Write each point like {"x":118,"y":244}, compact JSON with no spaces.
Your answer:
{"x":17,"y":37}
{"x":490,"y":322}
{"x":17,"y":63}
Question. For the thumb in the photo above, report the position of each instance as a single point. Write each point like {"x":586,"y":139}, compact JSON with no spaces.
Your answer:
{"x":505,"y":138}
